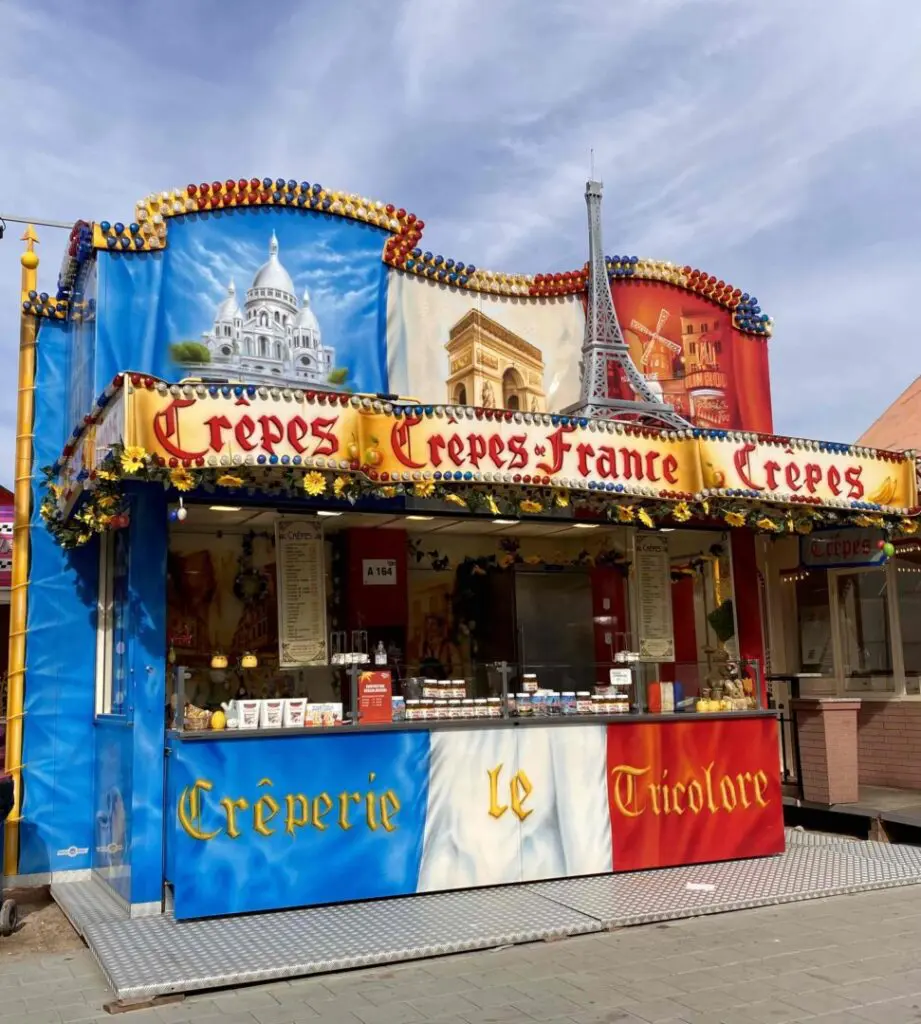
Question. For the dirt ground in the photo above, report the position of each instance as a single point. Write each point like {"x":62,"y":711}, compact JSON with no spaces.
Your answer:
{"x":43,"y":928}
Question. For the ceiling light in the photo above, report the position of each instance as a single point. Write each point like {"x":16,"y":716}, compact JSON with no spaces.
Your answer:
{"x":420,"y":519}
{"x":226,"y":508}
{"x":586,"y":526}
{"x":323,"y":512}
{"x":506,"y":522}
{"x":666,"y":529}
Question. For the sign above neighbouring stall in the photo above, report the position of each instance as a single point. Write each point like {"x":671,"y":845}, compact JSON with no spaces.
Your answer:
{"x":202,"y":426}
{"x":830,"y":549}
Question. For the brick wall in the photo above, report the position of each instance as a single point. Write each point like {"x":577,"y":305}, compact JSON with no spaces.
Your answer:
{"x":889,"y":743}
{"x":828,"y":750}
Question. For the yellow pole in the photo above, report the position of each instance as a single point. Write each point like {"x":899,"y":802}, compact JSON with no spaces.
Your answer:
{"x":22,"y":510}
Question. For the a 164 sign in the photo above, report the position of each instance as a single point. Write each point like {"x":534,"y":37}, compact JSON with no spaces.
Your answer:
{"x":379,"y":572}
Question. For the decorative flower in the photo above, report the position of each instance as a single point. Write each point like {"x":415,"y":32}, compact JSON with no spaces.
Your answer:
{"x":314,"y":484}
{"x":561,"y":499}
{"x":229,"y":480}
{"x":766,"y":524}
{"x":340,"y":484}
{"x":182,"y":479}
{"x":455,"y":499}
{"x":909,"y":527}
{"x":107,"y":501}
{"x":531,"y":508}
{"x":423,"y":489}
{"x":734,"y":519}
{"x":132,"y":458}
{"x":491,"y":504}
{"x":387,"y":492}
{"x":645,"y":518}
{"x":681,"y":512}
{"x":533,"y":560}
{"x":57,"y":490}
{"x":625,"y":514}
{"x":803,"y":526}
{"x":106,"y":474}
{"x":506,"y":560}
{"x":861,"y":520}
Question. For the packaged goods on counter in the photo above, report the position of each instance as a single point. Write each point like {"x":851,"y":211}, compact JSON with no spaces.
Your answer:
{"x":327,"y":714}
{"x":529,"y":682}
{"x":271,"y":714}
{"x":523,"y":705}
{"x":295,"y":708}
{"x":568,"y":704}
{"x":398,"y":709}
{"x":494,"y":707}
{"x":412,"y":711}
{"x":583,"y":702}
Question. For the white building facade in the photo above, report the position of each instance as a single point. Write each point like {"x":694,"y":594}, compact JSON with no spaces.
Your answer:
{"x":274,"y":339}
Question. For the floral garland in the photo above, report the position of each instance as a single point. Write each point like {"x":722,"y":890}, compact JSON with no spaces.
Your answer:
{"x":104,"y":507}
{"x":509,"y":556}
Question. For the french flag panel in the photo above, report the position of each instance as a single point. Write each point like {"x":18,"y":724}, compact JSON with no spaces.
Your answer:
{"x":512,"y":805}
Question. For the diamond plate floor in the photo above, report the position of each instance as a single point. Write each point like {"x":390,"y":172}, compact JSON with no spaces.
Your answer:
{"x":144,"y":957}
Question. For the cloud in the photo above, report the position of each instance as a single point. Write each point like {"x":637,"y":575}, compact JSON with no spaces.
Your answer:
{"x":773,"y":142}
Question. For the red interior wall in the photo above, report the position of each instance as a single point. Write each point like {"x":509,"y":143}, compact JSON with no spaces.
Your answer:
{"x":745,"y":588}
{"x":608,"y":584}
{"x":375,"y":607}
{"x":685,"y":632}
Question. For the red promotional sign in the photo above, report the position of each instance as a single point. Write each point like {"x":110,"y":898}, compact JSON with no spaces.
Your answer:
{"x":374,"y":698}
{"x":695,"y":791}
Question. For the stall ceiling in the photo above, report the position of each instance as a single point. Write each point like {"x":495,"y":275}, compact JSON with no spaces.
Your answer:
{"x":203,"y":518}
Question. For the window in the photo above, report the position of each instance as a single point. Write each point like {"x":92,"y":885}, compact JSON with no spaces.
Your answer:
{"x":689,"y":329}
{"x":704,"y":328}
{"x":717,"y":347}
{"x":277,"y":317}
{"x":815,"y":641}
{"x":863,"y":617}
{"x":112,"y":625}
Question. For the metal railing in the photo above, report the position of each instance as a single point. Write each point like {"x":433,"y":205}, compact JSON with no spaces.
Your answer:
{"x":782,"y":691}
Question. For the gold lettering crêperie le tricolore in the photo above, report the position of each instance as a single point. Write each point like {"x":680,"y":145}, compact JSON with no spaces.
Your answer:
{"x":700,"y":792}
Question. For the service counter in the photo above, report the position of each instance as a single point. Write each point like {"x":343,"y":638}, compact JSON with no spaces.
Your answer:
{"x":271,"y":819}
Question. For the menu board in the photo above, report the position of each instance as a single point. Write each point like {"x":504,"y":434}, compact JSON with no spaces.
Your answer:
{"x":654,"y":598}
{"x":301,"y":592}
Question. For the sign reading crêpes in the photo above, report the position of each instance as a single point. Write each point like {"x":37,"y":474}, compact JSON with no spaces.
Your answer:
{"x":332,"y":432}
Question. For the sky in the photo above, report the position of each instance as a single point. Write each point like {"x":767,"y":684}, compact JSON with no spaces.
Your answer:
{"x":773,"y":143}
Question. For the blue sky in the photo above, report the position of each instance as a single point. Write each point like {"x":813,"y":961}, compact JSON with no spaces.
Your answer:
{"x":774,"y":143}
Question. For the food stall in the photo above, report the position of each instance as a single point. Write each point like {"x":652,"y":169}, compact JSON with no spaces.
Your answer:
{"x":347,"y":644}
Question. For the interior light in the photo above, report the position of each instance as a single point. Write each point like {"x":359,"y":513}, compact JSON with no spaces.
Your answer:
{"x":586,"y":526}
{"x":505,"y":522}
{"x":323,"y":512}
{"x":225,"y":508}
{"x":420,"y":519}
{"x":666,"y":529}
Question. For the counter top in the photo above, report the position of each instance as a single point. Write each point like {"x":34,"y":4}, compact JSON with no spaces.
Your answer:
{"x":562,"y":721}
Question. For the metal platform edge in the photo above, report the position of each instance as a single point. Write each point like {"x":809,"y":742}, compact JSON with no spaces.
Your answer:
{"x":134,"y":971}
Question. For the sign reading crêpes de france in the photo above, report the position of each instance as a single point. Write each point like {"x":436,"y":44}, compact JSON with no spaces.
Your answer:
{"x":301,"y":592}
{"x":262,"y":426}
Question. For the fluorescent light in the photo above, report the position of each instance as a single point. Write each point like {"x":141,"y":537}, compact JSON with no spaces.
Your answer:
{"x":225,"y":508}
{"x":586,"y":526}
{"x":323,"y":512}
{"x":666,"y":529}
{"x":506,"y":522}
{"x":420,"y":519}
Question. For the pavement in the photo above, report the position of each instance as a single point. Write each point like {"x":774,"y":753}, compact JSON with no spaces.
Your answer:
{"x":842,"y":959}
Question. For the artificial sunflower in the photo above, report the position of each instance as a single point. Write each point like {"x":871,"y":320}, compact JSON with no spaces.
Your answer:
{"x":531,"y":508}
{"x":909,"y":527}
{"x":861,"y":520}
{"x":625,"y":514}
{"x":182,"y":479}
{"x":561,"y":499}
{"x":766,"y":524}
{"x":340,"y":484}
{"x":229,"y":480}
{"x":423,"y":489}
{"x":645,"y":518}
{"x":314,"y":484}
{"x":681,"y":513}
{"x":387,"y":492}
{"x":734,"y":519}
{"x":107,"y":501}
{"x":106,"y":474}
{"x":456,"y":499}
{"x":803,"y":526}
{"x":57,"y":490}
{"x":132,"y":459}
{"x":491,"y":504}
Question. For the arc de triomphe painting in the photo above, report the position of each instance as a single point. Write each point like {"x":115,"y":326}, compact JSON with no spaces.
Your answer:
{"x":492,"y":367}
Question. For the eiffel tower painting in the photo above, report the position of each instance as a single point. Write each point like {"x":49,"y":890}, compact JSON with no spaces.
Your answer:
{"x":604,"y":351}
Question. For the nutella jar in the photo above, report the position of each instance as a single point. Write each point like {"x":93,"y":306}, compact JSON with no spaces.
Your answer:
{"x":454,"y":708}
{"x":479,"y":707}
{"x":427,"y":709}
{"x":459,"y":689}
{"x":583,"y":702}
{"x":529,"y":682}
{"x":412,"y":711}
{"x":467,"y":708}
{"x":441,"y":707}
{"x":598,"y":707}
{"x":494,"y":707}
